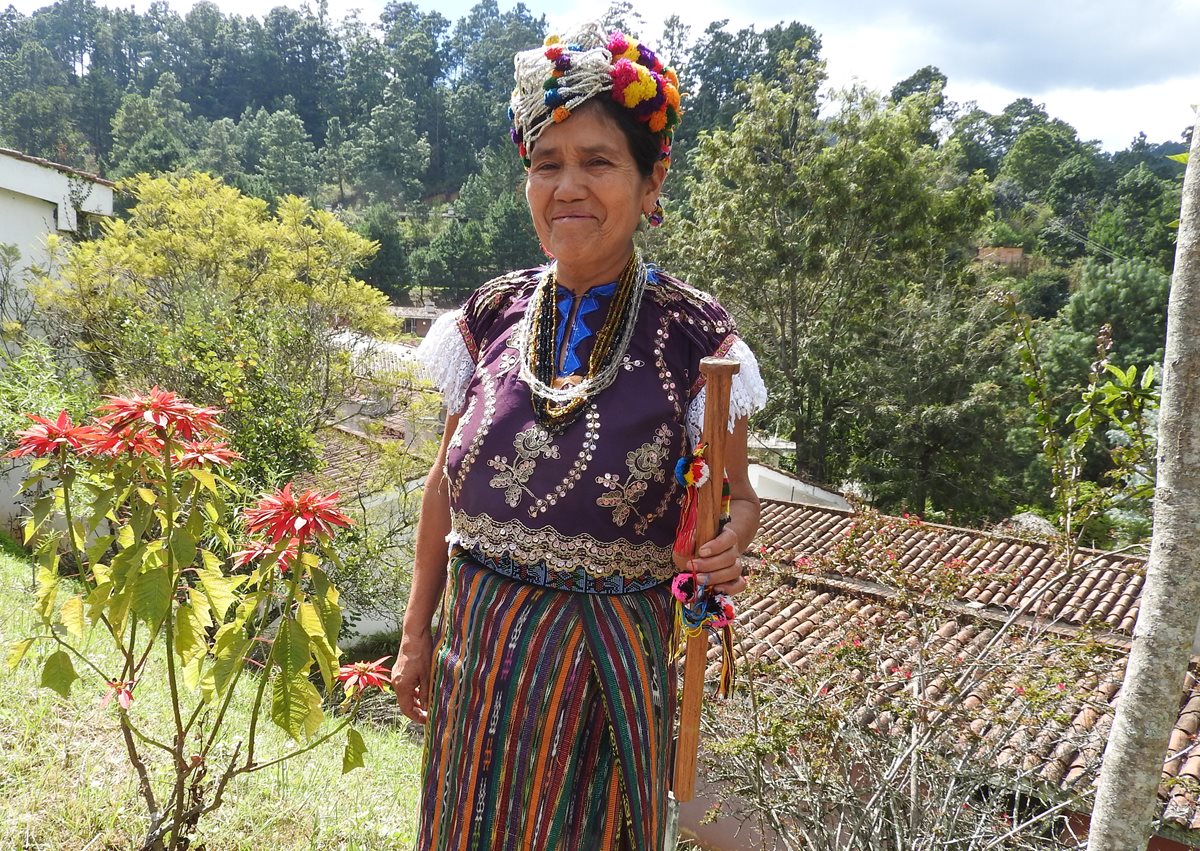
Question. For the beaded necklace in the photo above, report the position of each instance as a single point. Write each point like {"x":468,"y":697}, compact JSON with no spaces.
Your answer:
{"x":558,"y":404}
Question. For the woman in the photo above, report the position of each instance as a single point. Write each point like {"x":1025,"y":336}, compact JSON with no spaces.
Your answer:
{"x":571,"y":390}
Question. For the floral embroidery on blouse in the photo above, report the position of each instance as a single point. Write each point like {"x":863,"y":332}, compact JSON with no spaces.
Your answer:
{"x":529,"y":445}
{"x":647,"y":462}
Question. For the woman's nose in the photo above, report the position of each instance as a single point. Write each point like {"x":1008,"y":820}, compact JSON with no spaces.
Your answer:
{"x":571,"y":184}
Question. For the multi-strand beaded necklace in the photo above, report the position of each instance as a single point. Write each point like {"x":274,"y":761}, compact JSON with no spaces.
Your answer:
{"x":557,"y":404}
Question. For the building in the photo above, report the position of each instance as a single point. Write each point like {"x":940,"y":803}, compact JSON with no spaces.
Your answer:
{"x":829,"y":574}
{"x":39,"y":198}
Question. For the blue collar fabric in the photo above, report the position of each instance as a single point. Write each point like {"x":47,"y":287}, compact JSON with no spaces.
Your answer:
{"x":589,"y":302}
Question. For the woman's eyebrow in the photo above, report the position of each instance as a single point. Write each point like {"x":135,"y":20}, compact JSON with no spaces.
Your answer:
{"x":586,"y":150}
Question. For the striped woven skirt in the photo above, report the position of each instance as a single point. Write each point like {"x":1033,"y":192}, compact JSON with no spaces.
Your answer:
{"x":550,"y":720}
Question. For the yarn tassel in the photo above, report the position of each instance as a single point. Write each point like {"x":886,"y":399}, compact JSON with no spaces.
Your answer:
{"x":728,"y":663}
{"x":691,"y":472}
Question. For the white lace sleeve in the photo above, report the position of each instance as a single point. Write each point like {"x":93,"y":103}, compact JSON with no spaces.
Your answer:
{"x":445,"y":360}
{"x":747,"y":393}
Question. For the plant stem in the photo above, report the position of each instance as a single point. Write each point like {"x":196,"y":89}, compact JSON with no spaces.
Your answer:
{"x":293,"y":586}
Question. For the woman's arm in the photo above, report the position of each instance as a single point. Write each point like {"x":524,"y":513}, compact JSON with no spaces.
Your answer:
{"x":414,"y":659}
{"x":717,"y":562}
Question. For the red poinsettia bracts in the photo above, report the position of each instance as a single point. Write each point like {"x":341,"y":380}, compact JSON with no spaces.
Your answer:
{"x":128,"y":441}
{"x":284,"y":514}
{"x":161,"y":410}
{"x":258,"y":550}
{"x":202,"y":453}
{"x":358,"y":676}
{"x":47,"y":437}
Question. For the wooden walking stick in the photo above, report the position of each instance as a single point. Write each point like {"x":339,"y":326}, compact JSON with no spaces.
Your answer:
{"x":718,"y":374}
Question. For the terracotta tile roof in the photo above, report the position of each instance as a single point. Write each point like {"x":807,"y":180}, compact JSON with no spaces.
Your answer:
{"x":800,"y":613}
{"x":1009,"y":573}
{"x":348,"y":461}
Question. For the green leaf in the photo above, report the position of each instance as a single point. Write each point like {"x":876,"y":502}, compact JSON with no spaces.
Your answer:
{"x":189,"y":634}
{"x":205,"y":478}
{"x":101,"y":504}
{"x":127,"y":563}
{"x":47,"y":590}
{"x":152,"y":595}
{"x":97,"y":600}
{"x":139,"y":518}
{"x":118,"y":608}
{"x":16,"y":652}
{"x":229,"y":650}
{"x":356,"y":748}
{"x":296,"y":706}
{"x":98,"y":548}
{"x":183,"y":547}
{"x":326,"y":654}
{"x":325,"y":597}
{"x":291,"y":649}
{"x":58,"y":673}
{"x":126,"y":537}
{"x":220,"y":590}
{"x":1179,"y":158}
{"x":71,"y":617}
{"x":41,"y":508}
{"x":37,"y":464}
{"x":148,"y":496}
{"x":191,"y":672}
{"x":201,"y":609}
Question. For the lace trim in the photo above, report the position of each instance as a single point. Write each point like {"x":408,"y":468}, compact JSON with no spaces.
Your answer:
{"x":747,"y":393}
{"x":446,"y":360}
{"x":558,"y":552}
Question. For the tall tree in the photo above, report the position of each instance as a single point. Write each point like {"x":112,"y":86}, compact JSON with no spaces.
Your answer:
{"x":35,"y":116}
{"x":813,"y":231}
{"x":289,"y":159}
{"x":152,"y":134}
{"x":1127,"y":795}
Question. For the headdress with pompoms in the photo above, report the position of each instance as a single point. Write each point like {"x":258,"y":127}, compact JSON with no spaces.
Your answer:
{"x":565,"y":73}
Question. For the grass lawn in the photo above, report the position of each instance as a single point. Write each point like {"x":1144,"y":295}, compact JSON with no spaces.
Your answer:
{"x":66,"y":783}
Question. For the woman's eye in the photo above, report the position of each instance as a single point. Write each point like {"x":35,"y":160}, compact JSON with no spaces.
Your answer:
{"x":599,"y":161}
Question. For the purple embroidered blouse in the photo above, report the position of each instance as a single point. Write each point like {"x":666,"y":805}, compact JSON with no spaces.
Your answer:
{"x":595,"y":507}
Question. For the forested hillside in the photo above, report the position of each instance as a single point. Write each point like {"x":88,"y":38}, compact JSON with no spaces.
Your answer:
{"x":841,"y":228}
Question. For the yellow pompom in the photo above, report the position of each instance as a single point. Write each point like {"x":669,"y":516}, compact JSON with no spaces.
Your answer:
{"x":552,"y":39}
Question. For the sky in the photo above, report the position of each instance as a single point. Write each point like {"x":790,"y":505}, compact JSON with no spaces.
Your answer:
{"x":1111,"y":68}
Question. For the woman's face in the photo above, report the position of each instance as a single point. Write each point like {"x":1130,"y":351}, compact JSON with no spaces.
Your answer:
{"x":586,"y":194}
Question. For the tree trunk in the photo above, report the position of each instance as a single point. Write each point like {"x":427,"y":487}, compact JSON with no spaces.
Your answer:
{"x":1127,"y":800}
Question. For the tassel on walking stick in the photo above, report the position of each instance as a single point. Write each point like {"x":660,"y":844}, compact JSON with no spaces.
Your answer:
{"x":706,"y":611}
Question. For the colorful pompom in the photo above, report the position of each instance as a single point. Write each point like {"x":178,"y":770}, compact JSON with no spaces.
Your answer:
{"x":561,"y":114}
{"x":617,"y":43}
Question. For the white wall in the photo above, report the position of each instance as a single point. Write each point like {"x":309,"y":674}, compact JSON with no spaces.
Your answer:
{"x":37,"y":200}
{"x":772,"y":484}
{"x":24,"y":222}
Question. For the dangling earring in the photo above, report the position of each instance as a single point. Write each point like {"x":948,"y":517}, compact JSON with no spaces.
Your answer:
{"x":655,"y":216}
{"x":545,"y":250}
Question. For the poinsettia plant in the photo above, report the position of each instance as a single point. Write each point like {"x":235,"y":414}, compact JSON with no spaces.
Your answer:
{"x":134,"y":540}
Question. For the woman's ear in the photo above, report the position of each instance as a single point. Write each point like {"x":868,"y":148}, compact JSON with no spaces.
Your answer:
{"x":653,"y":187}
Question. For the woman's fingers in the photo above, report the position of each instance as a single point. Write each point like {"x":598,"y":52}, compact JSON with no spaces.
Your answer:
{"x":409,"y":675}
{"x":737,"y":586}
